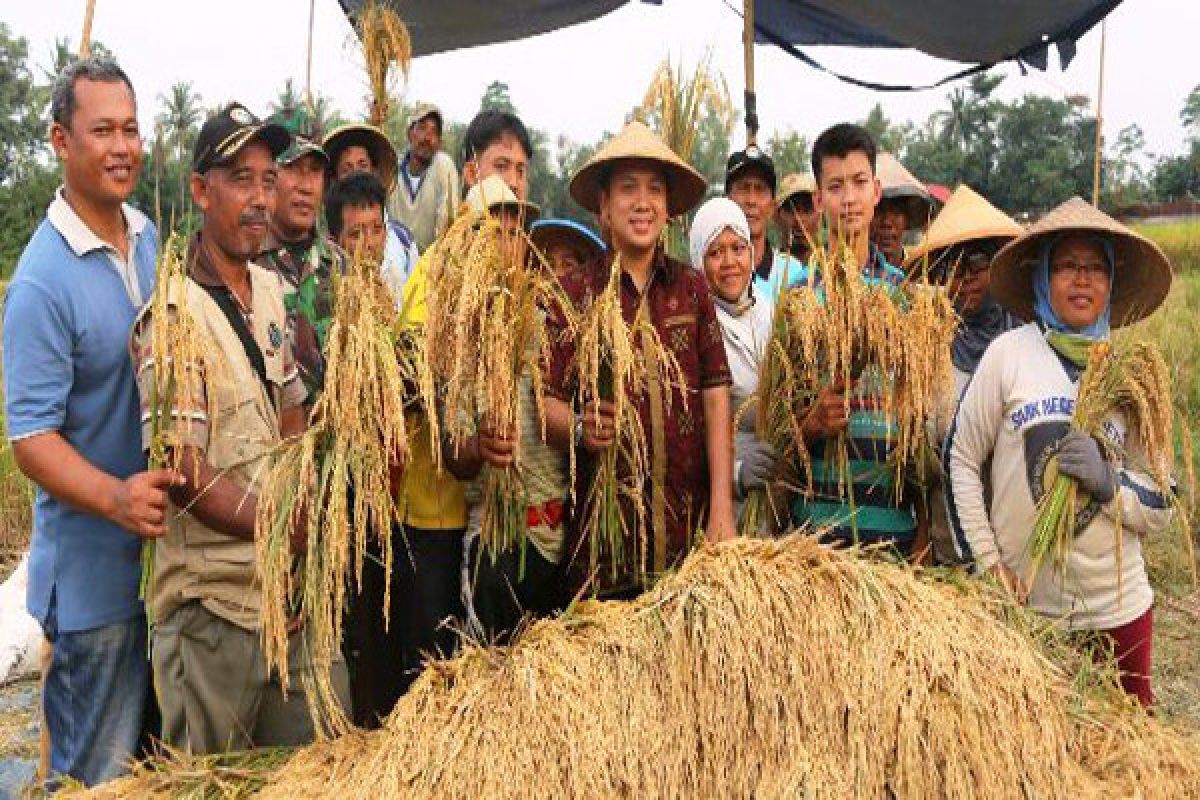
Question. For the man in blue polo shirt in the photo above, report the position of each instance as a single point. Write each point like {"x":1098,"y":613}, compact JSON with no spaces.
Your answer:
{"x":73,"y":420}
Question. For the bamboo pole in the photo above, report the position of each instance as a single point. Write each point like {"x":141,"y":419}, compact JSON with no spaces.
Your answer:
{"x":308,"y":97}
{"x":1099,"y":119}
{"x":748,"y":56}
{"x":85,"y":39}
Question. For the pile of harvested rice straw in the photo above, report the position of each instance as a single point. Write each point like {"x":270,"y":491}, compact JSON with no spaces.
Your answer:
{"x":763,"y":668}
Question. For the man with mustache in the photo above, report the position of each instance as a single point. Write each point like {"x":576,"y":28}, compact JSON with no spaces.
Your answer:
{"x":216,"y":692}
{"x":296,"y":250}
{"x":72,"y":417}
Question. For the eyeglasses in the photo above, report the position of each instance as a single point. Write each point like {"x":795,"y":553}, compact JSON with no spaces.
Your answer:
{"x":1092,"y":270}
{"x":801,"y":203}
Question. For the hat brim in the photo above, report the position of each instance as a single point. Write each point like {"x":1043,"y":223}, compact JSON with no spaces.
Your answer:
{"x":919,"y":209}
{"x":685,"y":187}
{"x":753,"y":163}
{"x":299,"y":149}
{"x":546,"y":236}
{"x":1141,"y":277}
{"x":276,"y":137}
{"x":383,"y":154}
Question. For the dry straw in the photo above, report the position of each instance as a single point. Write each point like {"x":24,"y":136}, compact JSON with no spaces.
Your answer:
{"x":763,"y":668}
{"x":488,"y":295}
{"x":891,"y":343}
{"x":679,"y":104}
{"x":334,"y":482}
{"x":620,"y":363}
{"x":1130,"y":379}
{"x":386,"y":47}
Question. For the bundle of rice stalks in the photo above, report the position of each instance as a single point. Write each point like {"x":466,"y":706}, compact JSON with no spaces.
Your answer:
{"x":333,"y":482}
{"x":183,"y":366}
{"x":619,"y":363}
{"x":487,"y":296}
{"x":1128,"y":378}
{"x":676,"y":104}
{"x":892,"y":344}
{"x":763,"y":668}
{"x":386,"y":47}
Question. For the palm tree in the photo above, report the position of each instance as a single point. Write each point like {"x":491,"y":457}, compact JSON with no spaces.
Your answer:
{"x":287,"y":99}
{"x":180,"y":119}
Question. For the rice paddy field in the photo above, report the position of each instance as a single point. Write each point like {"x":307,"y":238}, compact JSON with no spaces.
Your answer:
{"x":1176,"y":329}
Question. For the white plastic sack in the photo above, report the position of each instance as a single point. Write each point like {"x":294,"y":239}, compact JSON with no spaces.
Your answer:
{"x":20,"y":634}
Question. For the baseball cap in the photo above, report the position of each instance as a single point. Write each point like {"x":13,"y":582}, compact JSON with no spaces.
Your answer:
{"x":301,"y":124}
{"x":422,"y":111}
{"x":752,"y":156}
{"x":795,"y":183}
{"x":225,"y":133}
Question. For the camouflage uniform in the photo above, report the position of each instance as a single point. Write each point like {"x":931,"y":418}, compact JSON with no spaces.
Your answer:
{"x":307,"y":268}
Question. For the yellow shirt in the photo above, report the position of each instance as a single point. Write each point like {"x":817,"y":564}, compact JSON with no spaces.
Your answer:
{"x":434,"y":497}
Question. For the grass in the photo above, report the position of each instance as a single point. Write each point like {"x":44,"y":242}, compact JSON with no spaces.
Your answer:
{"x":1176,"y":330}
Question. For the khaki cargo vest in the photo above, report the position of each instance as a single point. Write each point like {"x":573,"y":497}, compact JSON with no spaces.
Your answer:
{"x":194,"y":562}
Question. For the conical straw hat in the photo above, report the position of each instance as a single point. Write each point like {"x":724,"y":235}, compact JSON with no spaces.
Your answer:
{"x":899,"y":184}
{"x":967,"y":216}
{"x":636,"y":142}
{"x":1142,"y":274}
{"x":383,"y":154}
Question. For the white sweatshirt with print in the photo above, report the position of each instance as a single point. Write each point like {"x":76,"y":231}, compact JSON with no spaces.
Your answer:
{"x":1016,"y":408}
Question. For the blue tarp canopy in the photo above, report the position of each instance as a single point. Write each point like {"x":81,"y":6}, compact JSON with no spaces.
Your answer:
{"x":975,"y":32}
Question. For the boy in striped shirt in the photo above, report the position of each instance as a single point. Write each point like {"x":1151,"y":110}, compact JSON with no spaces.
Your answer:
{"x":868,"y":509}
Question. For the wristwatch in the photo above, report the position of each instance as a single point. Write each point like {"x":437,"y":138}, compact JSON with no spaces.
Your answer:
{"x":578,"y":434}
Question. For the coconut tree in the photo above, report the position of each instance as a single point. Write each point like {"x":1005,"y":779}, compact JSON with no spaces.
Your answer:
{"x":179,"y":119}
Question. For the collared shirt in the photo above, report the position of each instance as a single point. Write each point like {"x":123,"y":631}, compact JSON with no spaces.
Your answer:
{"x":194,"y":409}
{"x":82,"y":240}
{"x":677,"y":302}
{"x":307,"y":269}
{"x":232,"y":415}
{"x":68,"y":313}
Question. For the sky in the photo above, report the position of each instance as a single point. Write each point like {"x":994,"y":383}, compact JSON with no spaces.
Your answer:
{"x":581,"y":81}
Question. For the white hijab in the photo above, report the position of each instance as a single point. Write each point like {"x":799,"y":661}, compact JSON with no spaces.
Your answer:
{"x":746,"y":325}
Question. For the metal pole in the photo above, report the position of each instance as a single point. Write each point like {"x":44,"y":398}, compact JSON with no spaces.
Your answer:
{"x":1099,"y":119}
{"x":85,"y":40}
{"x":748,"y":55}
{"x":312,"y":5}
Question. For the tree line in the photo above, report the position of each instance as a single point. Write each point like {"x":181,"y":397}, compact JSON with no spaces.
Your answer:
{"x":1027,"y":154}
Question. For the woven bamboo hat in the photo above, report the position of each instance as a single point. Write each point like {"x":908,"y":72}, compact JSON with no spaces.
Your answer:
{"x":967,"y":217}
{"x":636,"y":142}
{"x":1141,"y":276}
{"x":795,"y":183}
{"x":899,"y":184}
{"x":492,"y":193}
{"x":383,"y":154}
